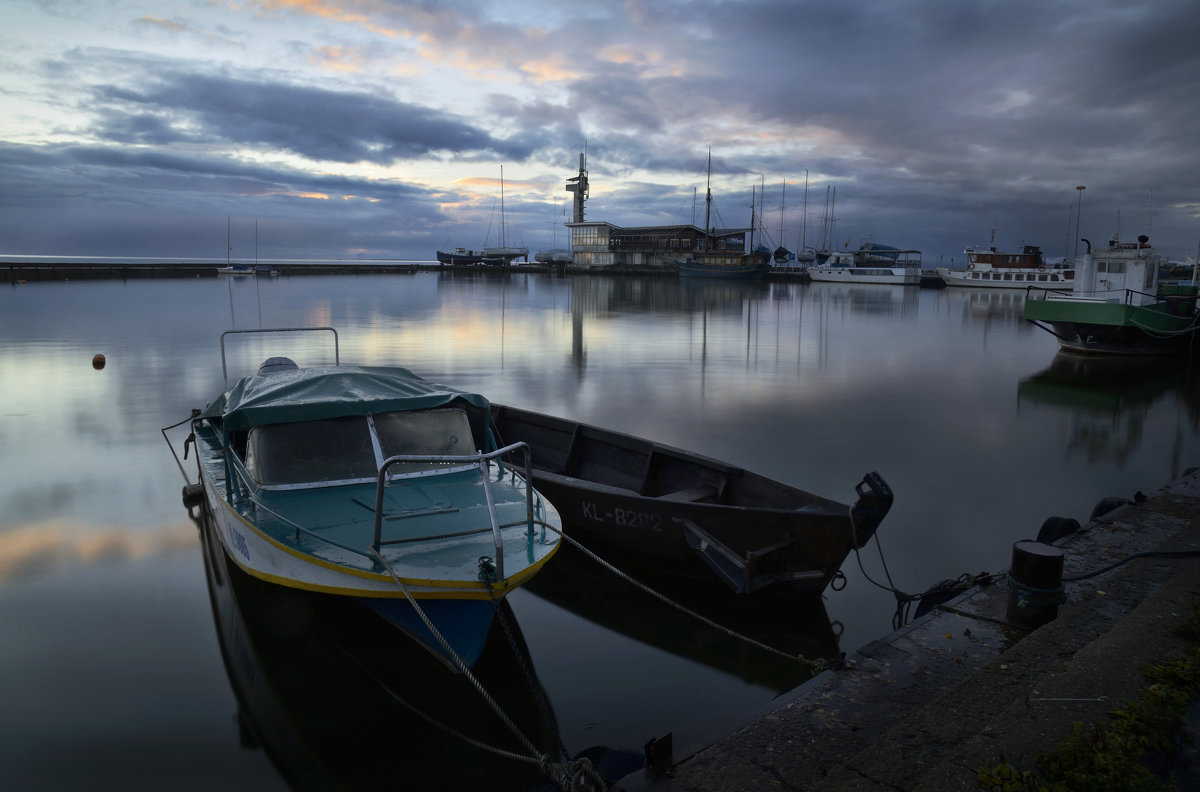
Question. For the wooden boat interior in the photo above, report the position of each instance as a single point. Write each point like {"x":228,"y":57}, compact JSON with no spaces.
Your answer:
{"x":565,"y":448}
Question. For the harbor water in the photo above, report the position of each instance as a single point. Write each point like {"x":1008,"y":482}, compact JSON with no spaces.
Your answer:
{"x":134,"y":658}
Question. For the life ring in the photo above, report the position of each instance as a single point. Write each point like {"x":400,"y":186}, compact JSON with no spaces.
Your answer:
{"x":971,"y":266}
{"x":1041,"y":267}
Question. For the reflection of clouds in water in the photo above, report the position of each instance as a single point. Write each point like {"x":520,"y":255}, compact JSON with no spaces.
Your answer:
{"x":40,"y":549}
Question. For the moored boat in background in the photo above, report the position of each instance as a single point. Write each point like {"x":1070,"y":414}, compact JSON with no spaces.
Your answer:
{"x":870,"y":263}
{"x":725,"y":262}
{"x":1117,"y":307}
{"x":992,"y":269}
{"x":462,"y":257}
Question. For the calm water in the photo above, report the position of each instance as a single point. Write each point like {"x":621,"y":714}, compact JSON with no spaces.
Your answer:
{"x":113,"y":670}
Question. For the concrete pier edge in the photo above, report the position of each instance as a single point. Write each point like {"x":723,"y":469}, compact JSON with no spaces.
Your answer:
{"x":961,"y":688}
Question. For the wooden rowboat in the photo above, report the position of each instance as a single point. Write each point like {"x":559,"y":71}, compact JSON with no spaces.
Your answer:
{"x":681,"y":512}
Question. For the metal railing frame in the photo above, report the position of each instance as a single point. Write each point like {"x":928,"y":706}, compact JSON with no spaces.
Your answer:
{"x":478,"y":461}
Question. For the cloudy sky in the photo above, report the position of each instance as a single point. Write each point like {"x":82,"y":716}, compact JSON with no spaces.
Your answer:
{"x":373,"y":128}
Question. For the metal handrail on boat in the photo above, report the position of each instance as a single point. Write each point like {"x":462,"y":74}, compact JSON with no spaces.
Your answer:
{"x":478,"y":461}
{"x":336,"y":351}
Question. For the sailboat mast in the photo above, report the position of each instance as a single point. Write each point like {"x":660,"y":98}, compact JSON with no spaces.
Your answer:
{"x":832,"y":216}
{"x":752,"y":219}
{"x":804,"y":214}
{"x":782,"y":193}
{"x":502,"y":242}
{"x":707,"y":200}
{"x":228,"y":249}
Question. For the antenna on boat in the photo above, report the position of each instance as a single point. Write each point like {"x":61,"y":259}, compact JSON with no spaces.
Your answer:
{"x":1150,"y":215}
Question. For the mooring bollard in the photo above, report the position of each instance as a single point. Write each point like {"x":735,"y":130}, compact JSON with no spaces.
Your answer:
{"x":1035,"y":587}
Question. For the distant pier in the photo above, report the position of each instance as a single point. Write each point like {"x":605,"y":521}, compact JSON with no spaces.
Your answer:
{"x":31,"y":271}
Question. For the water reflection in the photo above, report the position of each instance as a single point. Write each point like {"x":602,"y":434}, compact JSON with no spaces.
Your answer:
{"x":865,"y":298}
{"x":1106,"y":401}
{"x":340,"y":700}
{"x":988,"y":305}
{"x":795,"y":625}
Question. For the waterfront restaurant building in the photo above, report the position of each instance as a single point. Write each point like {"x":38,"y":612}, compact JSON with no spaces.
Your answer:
{"x":597,"y":245}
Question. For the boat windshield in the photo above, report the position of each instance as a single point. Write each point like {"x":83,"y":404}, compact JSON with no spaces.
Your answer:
{"x":344,"y":450}
{"x":432,"y":432}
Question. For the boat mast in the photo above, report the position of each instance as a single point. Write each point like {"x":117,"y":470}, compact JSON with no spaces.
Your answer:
{"x":782,"y":193}
{"x":502,"y":242}
{"x":228,"y":249}
{"x":804,"y":214}
{"x":707,"y":199}
{"x":752,"y":219}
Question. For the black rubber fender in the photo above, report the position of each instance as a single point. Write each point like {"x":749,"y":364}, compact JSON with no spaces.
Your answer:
{"x":1055,"y":528}
{"x":1105,"y":505}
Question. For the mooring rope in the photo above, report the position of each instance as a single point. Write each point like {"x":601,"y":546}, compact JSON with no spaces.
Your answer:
{"x":571,"y":775}
{"x":1127,"y":559}
{"x":191,"y":438}
{"x":816,"y":666}
{"x":904,"y":602}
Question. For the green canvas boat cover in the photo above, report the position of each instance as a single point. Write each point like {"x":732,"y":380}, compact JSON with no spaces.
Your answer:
{"x":310,"y":394}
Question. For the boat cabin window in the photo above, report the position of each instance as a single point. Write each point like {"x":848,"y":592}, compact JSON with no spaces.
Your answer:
{"x":335,"y":449}
{"x":431,"y":432}
{"x":352,"y":449}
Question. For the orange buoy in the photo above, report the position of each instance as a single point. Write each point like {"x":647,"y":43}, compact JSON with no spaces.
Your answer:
{"x":97,"y":361}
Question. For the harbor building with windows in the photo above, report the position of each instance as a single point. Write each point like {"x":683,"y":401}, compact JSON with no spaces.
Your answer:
{"x":597,"y":245}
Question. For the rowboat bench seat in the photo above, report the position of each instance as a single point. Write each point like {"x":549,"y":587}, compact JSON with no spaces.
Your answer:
{"x":690,"y":495}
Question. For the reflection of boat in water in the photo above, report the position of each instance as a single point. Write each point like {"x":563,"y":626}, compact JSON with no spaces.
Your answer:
{"x":339,"y":699}
{"x":865,"y":298}
{"x":796,"y":624}
{"x":1107,"y":399}
{"x":1003,"y":304}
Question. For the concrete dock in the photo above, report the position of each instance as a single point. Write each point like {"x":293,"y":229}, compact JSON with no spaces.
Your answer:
{"x":962,"y":687}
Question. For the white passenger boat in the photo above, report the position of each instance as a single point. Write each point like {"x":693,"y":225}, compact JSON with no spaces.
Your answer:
{"x":992,"y":269}
{"x":374,"y":484}
{"x":871,"y":264}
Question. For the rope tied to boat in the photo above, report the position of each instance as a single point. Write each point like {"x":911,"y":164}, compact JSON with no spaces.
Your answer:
{"x":904,"y":602}
{"x":816,"y":666}
{"x":191,"y":440}
{"x":576,"y":775}
{"x":573,"y":772}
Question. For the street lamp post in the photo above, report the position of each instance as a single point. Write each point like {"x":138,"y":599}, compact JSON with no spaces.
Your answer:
{"x":1079,"y":206}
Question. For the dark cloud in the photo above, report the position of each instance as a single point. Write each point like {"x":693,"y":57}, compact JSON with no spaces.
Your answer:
{"x":146,"y":202}
{"x":319,"y":124}
{"x":933,"y":120}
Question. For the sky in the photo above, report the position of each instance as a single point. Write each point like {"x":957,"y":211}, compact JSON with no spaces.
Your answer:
{"x":354,"y":129}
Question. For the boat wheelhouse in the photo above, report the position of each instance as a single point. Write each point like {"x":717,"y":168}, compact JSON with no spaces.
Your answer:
{"x":992,"y":269}
{"x":1116,"y":305}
